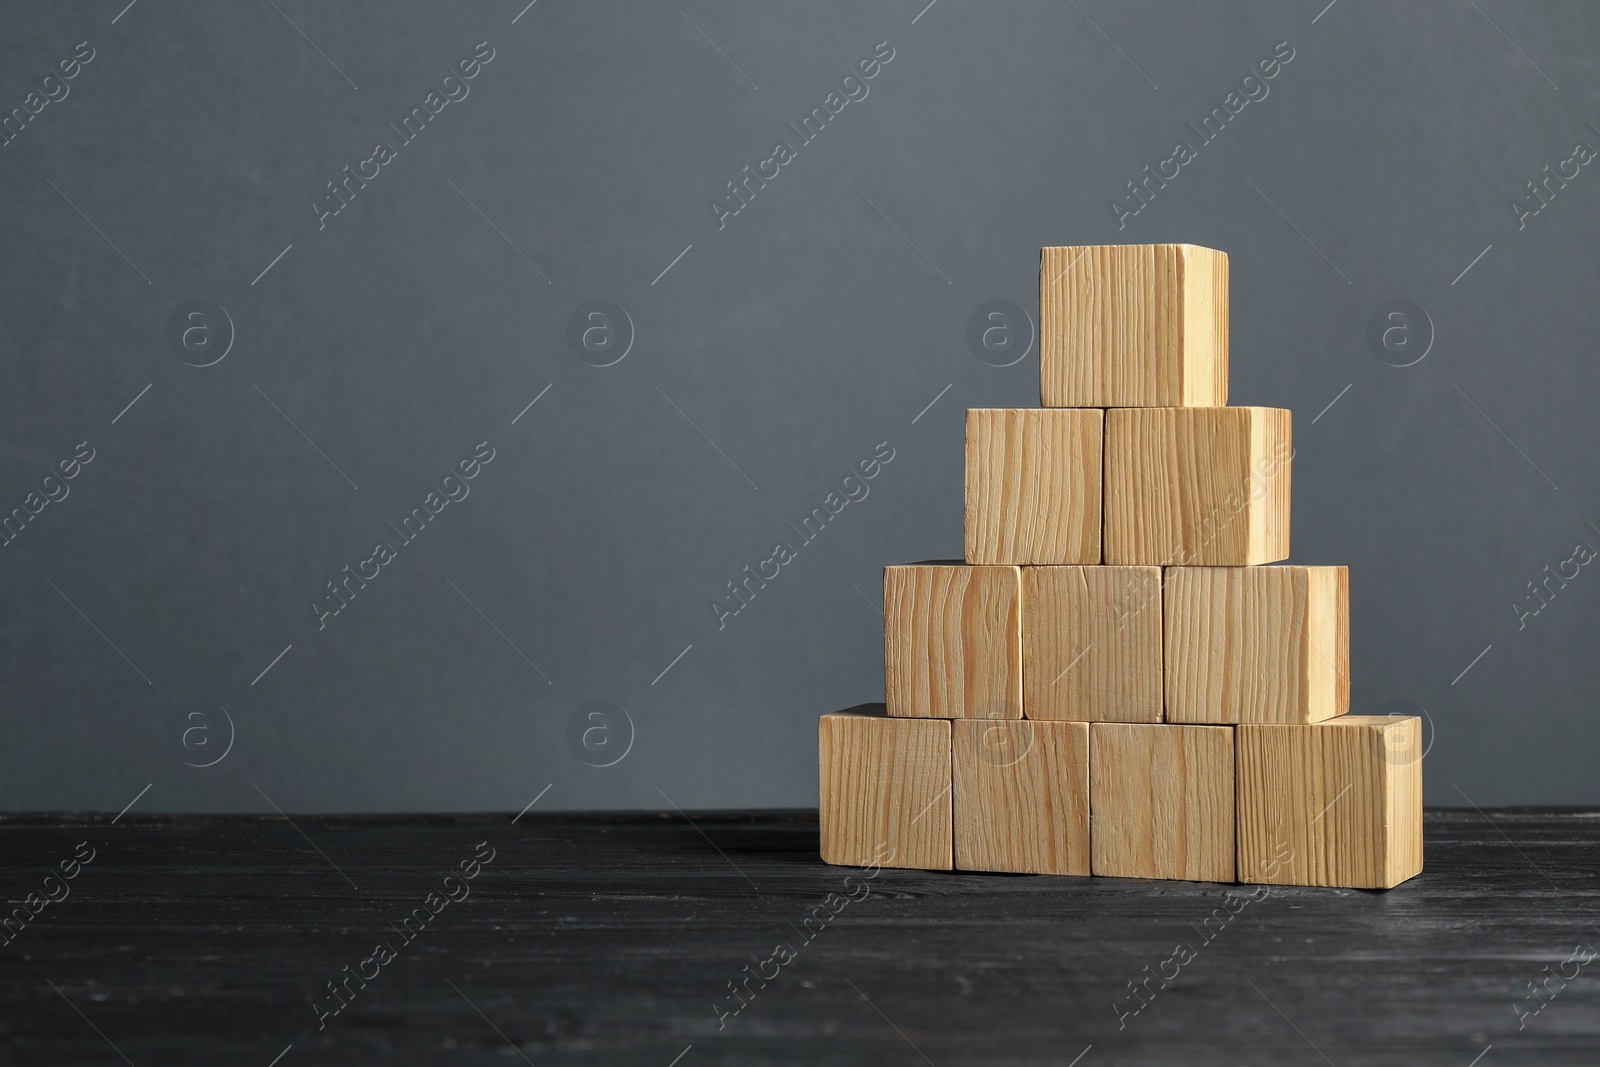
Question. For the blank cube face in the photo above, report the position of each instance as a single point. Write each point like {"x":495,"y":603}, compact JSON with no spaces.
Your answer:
{"x":1033,"y":485}
{"x":1091,"y":643}
{"x":1197,"y":486}
{"x":1257,"y":644}
{"x":952,"y":641}
{"x":1021,"y":796}
{"x":1335,"y":803}
{"x":1161,"y":801}
{"x":1133,"y":326}
{"x":884,"y":791}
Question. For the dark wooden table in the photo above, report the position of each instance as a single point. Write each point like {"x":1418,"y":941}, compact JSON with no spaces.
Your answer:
{"x":613,"y":939}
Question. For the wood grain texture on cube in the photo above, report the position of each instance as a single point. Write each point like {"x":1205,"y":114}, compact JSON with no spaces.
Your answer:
{"x":952,"y":641}
{"x":884,"y":791}
{"x":1033,"y":485}
{"x":1021,"y":796}
{"x":1257,"y":644}
{"x":1161,"y":801}
{"x":1133,"y":326}
{"x":1091,"y":643}
{"x":1334,"y":803}
{"x":1197,"y":486}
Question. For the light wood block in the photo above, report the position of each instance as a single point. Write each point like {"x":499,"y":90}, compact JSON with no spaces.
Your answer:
{"x":1033,"y":485}
{"x":1091,"y":643}
{"x":952,"y":641}
{"x":1021,"y":796}
{"x":884,"y":790}
{"x":1133,"y":326}
{"x":1197,"y":486}
{"x":1257,"y":644}
{"x":1161,"y":801}
{"x":1335,"y":803}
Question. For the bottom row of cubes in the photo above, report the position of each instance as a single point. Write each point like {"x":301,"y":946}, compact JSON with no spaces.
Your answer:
{"x":1334,"y":803}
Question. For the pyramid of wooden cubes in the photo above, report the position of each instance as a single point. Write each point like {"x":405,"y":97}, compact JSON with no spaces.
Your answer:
{"x":1116,"y":680}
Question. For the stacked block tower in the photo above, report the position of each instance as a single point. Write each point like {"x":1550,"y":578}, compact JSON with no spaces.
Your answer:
{"x":1113,"y":681}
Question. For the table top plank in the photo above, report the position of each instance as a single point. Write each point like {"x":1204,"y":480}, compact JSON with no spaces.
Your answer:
{"x":613,"y":939}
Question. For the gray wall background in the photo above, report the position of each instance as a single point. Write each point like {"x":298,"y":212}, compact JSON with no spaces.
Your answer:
{"x":772,"y":356}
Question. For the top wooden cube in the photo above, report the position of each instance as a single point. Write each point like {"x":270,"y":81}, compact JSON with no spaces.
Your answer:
{"x":1125,"y":326}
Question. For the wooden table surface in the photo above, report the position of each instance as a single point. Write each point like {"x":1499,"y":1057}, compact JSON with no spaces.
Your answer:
{"x":613,"y":939}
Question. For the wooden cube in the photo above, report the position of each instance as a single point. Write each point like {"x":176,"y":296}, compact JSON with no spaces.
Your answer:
{"x":1197,"y":486}
{"x":1161,"y":801}
{"x":1091,"y":643}
{"x":1133,"y":326}
{"x":1257,"y":644}
{"x":884,"y":790}
{"x":1335,"y":803}
{"x":952,"y":641}
{"x":1033,"y":485}
{"x":1021,"y":796}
